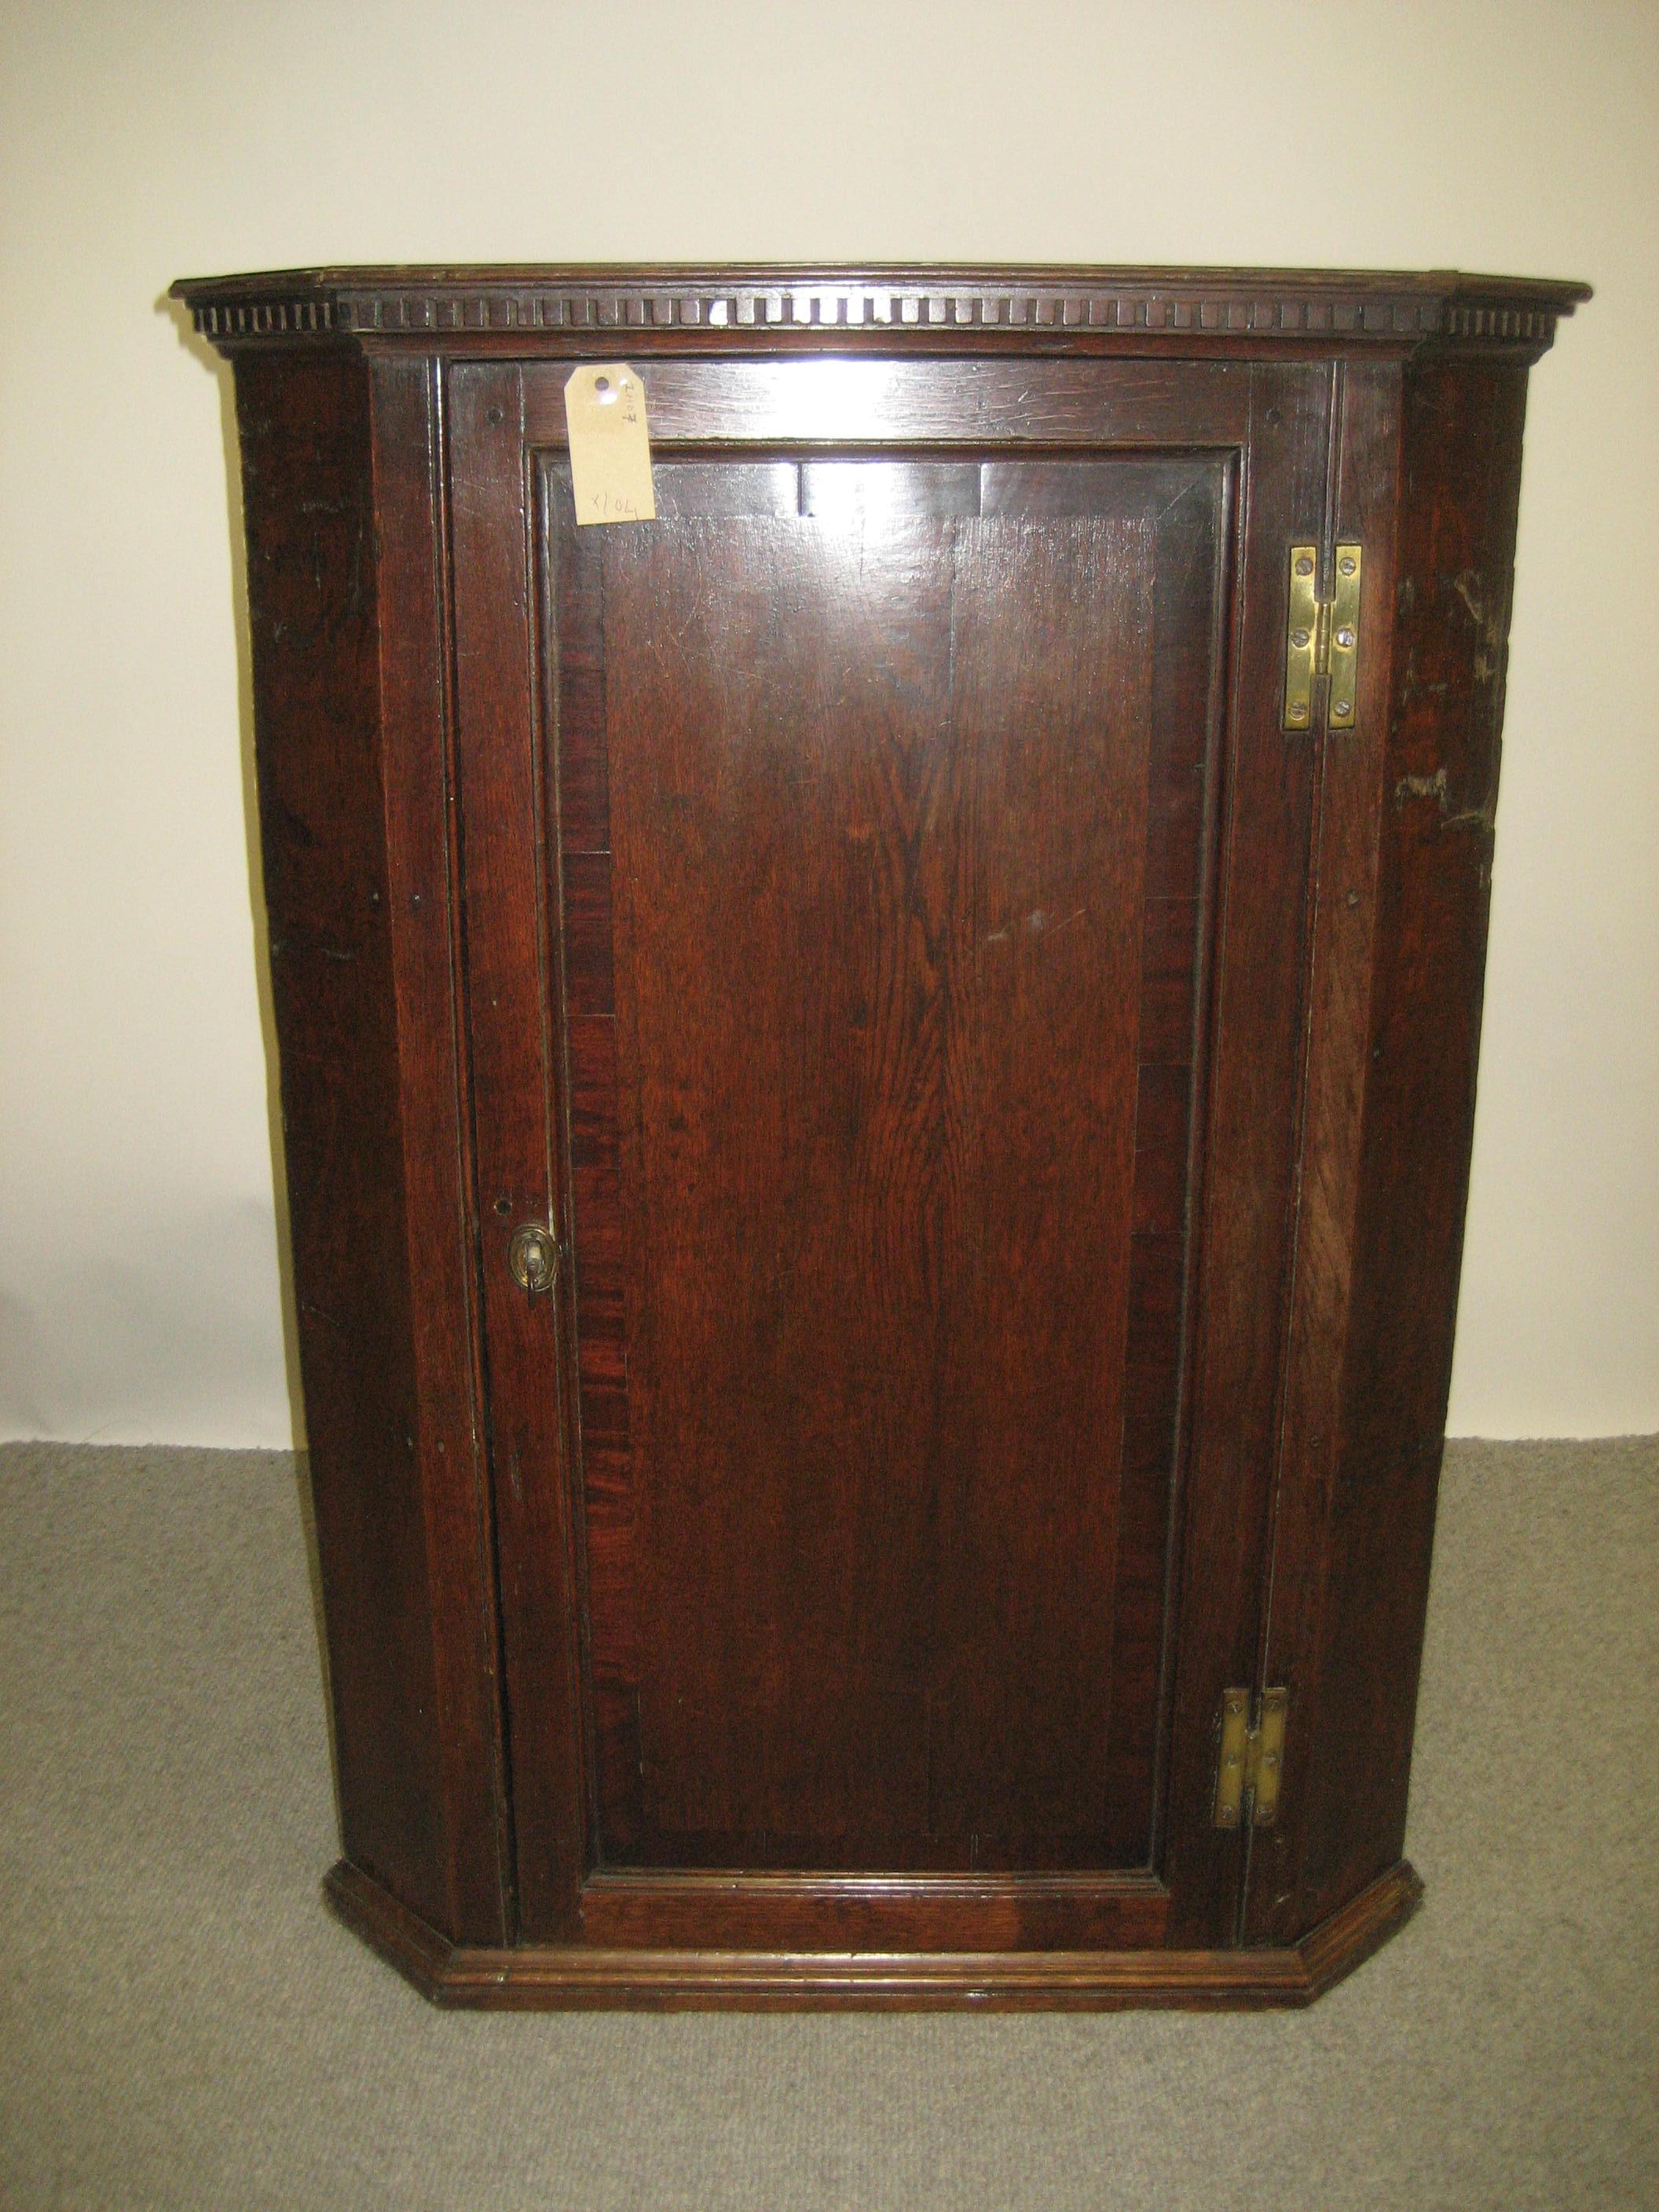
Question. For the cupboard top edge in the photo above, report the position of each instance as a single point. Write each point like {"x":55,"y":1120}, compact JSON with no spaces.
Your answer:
{"x":763,"y":307}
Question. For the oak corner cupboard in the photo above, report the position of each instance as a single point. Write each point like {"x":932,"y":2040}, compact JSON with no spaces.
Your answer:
{"x":877,"y":1073}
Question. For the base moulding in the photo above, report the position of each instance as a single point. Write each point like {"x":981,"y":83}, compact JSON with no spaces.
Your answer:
{"x":549,"y":1978}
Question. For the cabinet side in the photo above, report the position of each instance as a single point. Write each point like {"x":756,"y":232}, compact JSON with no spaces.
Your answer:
{"x":1366,"y":1569}
{"x":344,"y":617}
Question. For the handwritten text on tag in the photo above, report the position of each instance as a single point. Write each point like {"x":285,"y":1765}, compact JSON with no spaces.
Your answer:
{"x":610,"y":445}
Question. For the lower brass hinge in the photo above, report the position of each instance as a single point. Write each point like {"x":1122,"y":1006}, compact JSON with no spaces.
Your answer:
{"x":1252,"y":1759}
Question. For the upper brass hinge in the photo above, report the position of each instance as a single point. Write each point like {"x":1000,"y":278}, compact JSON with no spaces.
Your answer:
{"x":1322,"y":638}
{"x":1252,"y":1759}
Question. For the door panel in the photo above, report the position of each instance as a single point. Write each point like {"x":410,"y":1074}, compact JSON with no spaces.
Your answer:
{"x":881,"y":786}
{"x":889,"y":868}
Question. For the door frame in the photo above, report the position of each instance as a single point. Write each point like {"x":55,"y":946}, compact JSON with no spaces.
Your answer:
{"x":1276,"y":418}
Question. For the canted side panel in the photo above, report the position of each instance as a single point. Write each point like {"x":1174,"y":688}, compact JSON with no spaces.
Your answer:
{"x":1162,"y":584}
{"x":304,"y":433}
{"x":1461,"y":477}
{"x":440,"y":1237}
{"x":1351,"y":764}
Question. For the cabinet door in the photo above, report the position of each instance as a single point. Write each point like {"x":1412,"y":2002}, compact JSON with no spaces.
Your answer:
{"x":884,"y":880}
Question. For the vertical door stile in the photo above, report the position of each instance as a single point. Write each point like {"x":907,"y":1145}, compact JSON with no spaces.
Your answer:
{"x":1248,"y":1198}
{"x":504,"y":855}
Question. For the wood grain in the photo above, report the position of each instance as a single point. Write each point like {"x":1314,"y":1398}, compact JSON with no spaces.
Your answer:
{"x":940,"y":1077}
{"x":539,"y":1977}
{"x":989,"y":307}
{"x":1003,"y":1107}
{"x":509,"y":1000}
{"x":340,"y":474}
{"x":1429,"y":811}
{"x":1250,"y":1140}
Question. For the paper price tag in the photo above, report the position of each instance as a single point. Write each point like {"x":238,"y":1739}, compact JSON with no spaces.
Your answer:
{"x":610,"y":445}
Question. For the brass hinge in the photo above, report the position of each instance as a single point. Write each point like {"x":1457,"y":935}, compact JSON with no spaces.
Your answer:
{"x":1252,"y":1759}
{"x":1322,"y":638}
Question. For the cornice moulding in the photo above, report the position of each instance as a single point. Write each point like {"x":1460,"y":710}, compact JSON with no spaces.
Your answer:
{"x":758,"y":306}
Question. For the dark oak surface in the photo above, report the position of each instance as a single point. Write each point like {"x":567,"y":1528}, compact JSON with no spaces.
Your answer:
{"x":1436,"y":465}
{"x":1240,"y":308}
{"x":1003,"y":1104}
{"x":878,"y":741}
{"x":357,"y":865}
{"x":753,"y":1979}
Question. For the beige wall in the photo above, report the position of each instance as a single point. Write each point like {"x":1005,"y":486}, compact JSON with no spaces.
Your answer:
{"x":138,"y":1277}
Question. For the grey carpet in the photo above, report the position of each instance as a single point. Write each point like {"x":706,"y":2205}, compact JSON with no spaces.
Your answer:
{"x":181,"y":2023}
